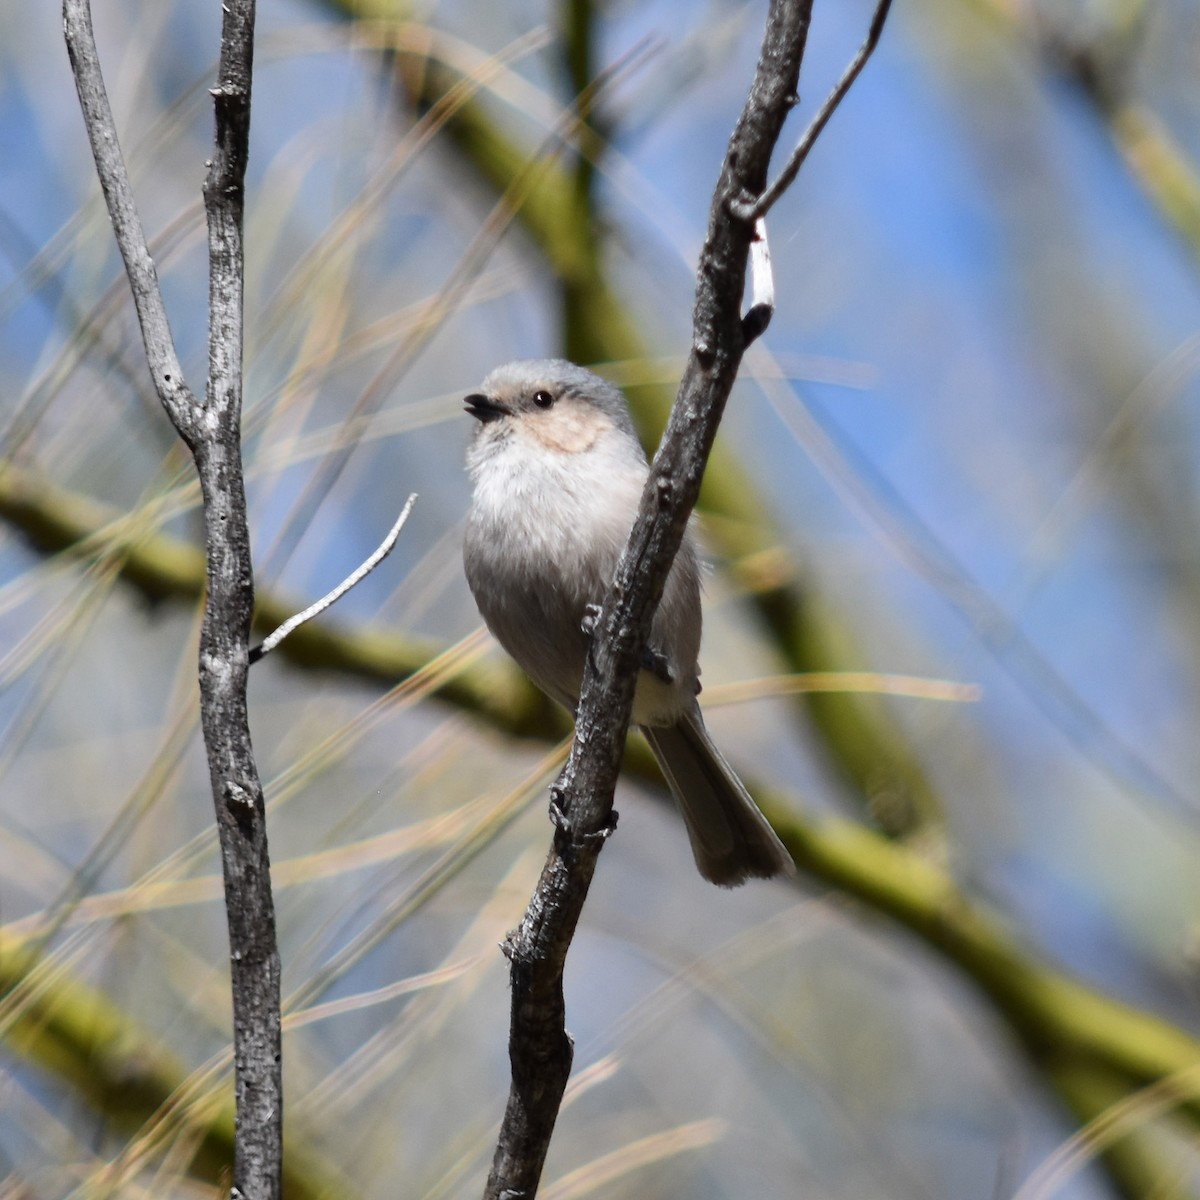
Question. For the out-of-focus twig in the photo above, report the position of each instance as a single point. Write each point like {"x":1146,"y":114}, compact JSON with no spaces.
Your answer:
{"x":1156,"y":159}
{"x":64,"y":1026}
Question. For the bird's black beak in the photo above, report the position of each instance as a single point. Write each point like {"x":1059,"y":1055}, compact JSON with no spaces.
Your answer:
{"x":484,"y":408}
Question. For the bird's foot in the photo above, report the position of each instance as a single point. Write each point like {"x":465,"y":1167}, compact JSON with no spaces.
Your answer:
{"x":591,"y":618}
{"x":657,"y":663}
{"x":564,"y":828}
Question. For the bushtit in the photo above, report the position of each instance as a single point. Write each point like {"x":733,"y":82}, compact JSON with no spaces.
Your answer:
{"x":558,"y":473}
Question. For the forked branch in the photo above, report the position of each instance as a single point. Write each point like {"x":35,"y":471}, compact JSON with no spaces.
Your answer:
{"x":212,"y":431}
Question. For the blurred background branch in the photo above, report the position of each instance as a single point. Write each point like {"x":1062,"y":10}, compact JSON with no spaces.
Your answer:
{"x":987,"y":317}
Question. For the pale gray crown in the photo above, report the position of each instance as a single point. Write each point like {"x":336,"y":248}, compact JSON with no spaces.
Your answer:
{"x":519,"y":381}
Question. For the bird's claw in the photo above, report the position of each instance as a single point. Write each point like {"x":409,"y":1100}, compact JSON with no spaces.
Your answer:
{"x":563,"y":827}
{"x":558,"y":816}
{"x":654,"y":661}
{"x":591,"y":618}
{"x":657,"y":663}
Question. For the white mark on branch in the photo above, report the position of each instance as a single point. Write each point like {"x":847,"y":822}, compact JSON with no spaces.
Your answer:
{"x":762,"y":286}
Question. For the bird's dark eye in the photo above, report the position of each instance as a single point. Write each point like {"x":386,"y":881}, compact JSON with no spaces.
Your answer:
{"x":543,"y":399}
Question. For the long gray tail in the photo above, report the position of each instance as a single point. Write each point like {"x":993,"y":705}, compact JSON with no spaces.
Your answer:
{"x":731,"y":839}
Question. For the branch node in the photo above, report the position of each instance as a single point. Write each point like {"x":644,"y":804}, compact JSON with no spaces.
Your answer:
{"x":567,"y":836}
{"x":743,"y":206}
{"x":236,"y":795}
{"x":809,"y":138}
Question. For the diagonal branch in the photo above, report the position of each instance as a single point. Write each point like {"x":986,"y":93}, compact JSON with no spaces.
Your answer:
{"x":539,"y":1046}
{"x":172,"y":389}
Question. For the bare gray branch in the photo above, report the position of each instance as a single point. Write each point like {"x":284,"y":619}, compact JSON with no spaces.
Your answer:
{"x":169,"y":383}
{"x":213,"y":433}
{"x":540,"y":1049}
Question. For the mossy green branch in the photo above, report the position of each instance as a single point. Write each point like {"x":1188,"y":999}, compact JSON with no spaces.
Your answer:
{"x":1057,"y":1019}
{"x":1101,"y":67}
{"x":1158,"y":163}
{"x":1139,"y":1159}
{"x":1093,"y":1050}
{"x":70,"y":1029}
{"x":55,"y":520}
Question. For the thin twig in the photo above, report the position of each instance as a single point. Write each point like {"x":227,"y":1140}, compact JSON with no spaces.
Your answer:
{"x":169,"y":383}
{"x":332,"y":597}
{"x":751,"y":210}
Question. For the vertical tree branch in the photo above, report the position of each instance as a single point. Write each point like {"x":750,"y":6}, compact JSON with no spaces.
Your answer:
{"x":213,"y":433}
{"x":539,"y":1046}
{"x":224,"y":638}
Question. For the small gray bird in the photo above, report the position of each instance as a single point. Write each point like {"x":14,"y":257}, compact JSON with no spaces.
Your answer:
{"x":558,"y":473}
